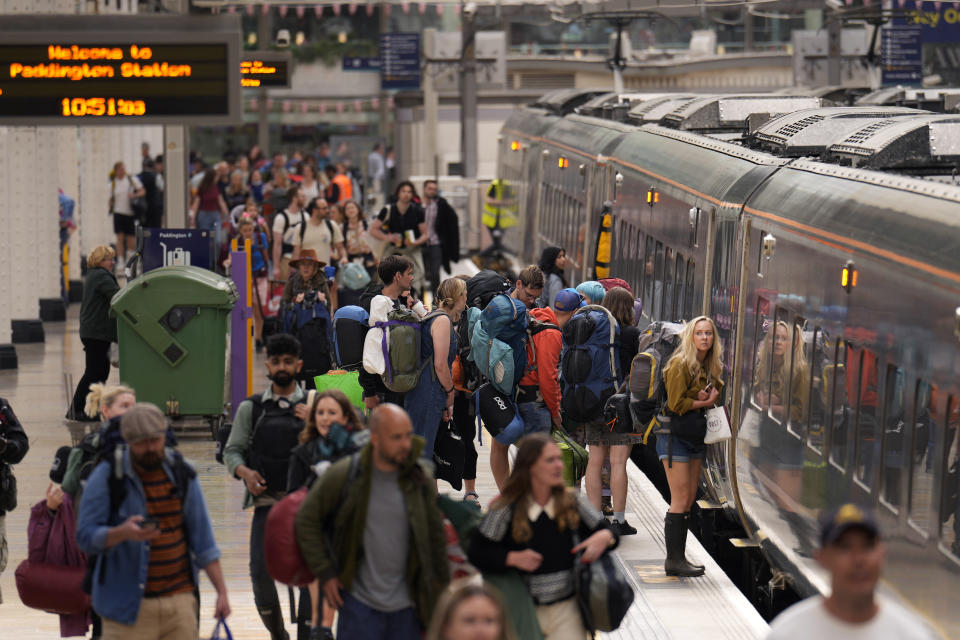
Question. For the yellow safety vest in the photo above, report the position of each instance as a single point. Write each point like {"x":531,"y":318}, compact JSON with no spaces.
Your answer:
{"x":507,"y":213}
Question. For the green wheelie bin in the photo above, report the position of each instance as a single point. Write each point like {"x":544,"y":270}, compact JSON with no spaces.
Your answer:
{"x":172,"y":334}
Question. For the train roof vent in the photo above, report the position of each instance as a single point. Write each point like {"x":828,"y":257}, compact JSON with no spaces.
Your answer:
{"x":654,"y":109}
{"x":563,"y":101}
{"x":594,"y":106}
{"x":927,"y":144}
{"x":941,"y":100}
{"x":726,"y":113}
{"x":810,"y":131}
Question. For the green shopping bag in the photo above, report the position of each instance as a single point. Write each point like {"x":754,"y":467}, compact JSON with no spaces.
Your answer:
{"x":346,"y":381}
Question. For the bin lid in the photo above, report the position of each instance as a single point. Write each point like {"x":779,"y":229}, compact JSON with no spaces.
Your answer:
{"x":178,"y":285}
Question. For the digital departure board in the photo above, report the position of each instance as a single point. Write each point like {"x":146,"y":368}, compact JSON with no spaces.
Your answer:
{"x":60,"y":70}
{"x":266,"y":69}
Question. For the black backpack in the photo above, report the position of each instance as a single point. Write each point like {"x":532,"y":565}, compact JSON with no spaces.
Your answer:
{"x":483,"y":287}
{"x":275,"y":434}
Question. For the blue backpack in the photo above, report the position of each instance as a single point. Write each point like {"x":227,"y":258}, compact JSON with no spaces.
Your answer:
{"x":350,"y":325}
{"x":589,"y":363}
{"x":498,"y":344}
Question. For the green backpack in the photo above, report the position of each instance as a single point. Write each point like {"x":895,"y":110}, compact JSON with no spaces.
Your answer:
{"x":401,"y":348}
{"x":574,"y":456}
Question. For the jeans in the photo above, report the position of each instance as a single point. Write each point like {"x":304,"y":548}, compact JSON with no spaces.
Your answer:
{"x":360,"y":622}
{"x":535,"y":416}
{"x":210,"y":220}
{"x":425,"y":404}
{"x":97,"y":369}
{"x":264,"y":590}
{"x":432,"y":257}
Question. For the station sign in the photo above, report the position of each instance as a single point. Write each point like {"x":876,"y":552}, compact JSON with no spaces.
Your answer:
{"x":901,"y":56}
{"x":62,"y":70}
{"x":266,"y":69}
{"x":400,"y":61}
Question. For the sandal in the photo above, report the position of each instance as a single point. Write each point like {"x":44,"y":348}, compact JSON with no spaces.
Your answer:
{"x":472,"y":496}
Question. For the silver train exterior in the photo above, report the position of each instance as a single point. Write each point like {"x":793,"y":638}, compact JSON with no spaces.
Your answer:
{"x":850,"y":246}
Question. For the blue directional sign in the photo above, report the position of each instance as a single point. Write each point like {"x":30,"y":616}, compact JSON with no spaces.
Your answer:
{"x":170,"y":247}
{"x":400,"y":61}
{"x":360,"y":63}
{"x":901,"y":55}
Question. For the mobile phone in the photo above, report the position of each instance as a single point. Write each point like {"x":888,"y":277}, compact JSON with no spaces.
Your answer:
{"x":708,"y":387}
{"x":149,"y":523}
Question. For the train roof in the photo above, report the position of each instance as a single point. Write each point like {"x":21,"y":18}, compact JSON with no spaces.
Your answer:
{"x":723,"y":113}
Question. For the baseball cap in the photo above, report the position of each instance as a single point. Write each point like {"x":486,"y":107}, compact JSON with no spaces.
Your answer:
{"x":567,"y":300}
{"x":143,"y":421}
{"x":836,"y":522}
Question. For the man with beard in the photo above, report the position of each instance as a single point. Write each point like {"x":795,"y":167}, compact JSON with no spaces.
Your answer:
{"x":145,"y":577}
{"x":265,"y":430}
{"x":371,"y":531}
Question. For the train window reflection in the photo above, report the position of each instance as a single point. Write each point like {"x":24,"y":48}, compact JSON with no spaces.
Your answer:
{"x":921,"y":456}
{"x":688,"y":311}
{"x":867,"y":433}
{"x":759,"y":383}
{"x":667,"y":313}
{"x":679,"y":282}
{"x":837,"y":381}
{"x":637,"y":256}
{"x":648,"y":276}
{"x":798,"y":385}
{"x":819,"y":402}
{"x":950,"y":483}
{"x":894,"y":426}
{"x":656,"y":310}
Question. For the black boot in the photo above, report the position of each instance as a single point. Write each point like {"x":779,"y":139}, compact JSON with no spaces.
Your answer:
{"x":675,"y":536}
{"x":686,"y":520}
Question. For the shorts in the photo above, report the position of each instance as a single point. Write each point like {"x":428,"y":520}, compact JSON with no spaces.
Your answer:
{"x":535,"y":416}
{"x":125,"y":224}
{"x":260,"y":291}
{"x":683,"y":450}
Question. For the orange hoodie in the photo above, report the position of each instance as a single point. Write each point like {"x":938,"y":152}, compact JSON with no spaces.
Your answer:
{"x":543,"y":359}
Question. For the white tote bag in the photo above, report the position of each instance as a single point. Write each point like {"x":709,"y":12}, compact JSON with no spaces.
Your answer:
{"x":718,"y":427}
{"x":750,"y":428}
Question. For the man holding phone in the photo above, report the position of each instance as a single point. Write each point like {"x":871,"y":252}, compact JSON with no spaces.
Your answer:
{"x":146,"y":573}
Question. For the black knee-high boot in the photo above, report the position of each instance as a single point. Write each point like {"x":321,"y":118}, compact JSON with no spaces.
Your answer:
{"x":686,"y":519}
{"x":675,"y":536}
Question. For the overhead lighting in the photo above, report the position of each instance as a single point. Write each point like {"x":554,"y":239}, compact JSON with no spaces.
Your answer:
{"x":300,"y":38}
{"x":342,"y":37}
{"x":252,"y":39}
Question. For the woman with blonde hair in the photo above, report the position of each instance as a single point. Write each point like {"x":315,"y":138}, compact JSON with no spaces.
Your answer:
{"x":333,"y":430}
{"x":97,"y":328}
{"x":432,"y":399}
{"x":692,"y":378}
{"x":469,"y":611}
{"x":534,"y":527}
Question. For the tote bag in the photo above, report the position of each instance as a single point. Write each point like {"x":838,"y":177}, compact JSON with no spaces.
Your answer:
{"x":718,"y":426}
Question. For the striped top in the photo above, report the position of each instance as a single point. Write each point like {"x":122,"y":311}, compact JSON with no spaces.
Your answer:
{"x":169,"y":570}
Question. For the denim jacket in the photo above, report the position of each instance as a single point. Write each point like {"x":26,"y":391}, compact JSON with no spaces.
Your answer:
{"x":118,"y":595}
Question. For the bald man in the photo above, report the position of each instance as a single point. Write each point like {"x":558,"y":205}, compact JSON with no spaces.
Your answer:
{"x":379,"y":508}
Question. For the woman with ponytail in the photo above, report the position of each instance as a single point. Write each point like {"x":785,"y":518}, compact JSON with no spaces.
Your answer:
{"x":432,"y":399}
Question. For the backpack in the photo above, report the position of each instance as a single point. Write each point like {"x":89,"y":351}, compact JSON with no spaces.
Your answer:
{"x":284,"y":560}
{"x":309,"y":322}
{"x":484,"y":286}
{"x":499,"y":414}
{"x":354,"y":276}
{"x":574,"y":456}
{"x":498,"y":343}
{"x":469,"y":374}
{"x":275,"y":433}
{"x":402,"y":335}
{"x":350,"y":325}
{"x":589,"y":363}
{"x":645,"y":382}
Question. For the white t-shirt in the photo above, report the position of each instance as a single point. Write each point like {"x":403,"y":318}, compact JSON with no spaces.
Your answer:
{"x":810,"y":619}
{"x":292,"y":234}
{"x":319,"y":238}
{"x":123,"y":189}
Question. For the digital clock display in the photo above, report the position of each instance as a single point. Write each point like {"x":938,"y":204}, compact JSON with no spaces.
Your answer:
{"x":169,"y":70}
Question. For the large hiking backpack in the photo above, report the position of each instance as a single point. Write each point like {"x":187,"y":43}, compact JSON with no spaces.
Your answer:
{"x":498,"y":345}
{"x":310,"y":323}
{"x":645,"y":382}
{"x":350,"y":325}
{"x":275,"y":433}
{"x":402,"y":334}
{"x":470,"y":375}
{"x":589,"y":362}
{"x":484,"y":286}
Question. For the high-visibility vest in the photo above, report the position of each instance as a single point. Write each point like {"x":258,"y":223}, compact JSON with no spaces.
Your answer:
{"x":346,"y":186}
{"x":507,"y":214}
{"x":601,"y":264}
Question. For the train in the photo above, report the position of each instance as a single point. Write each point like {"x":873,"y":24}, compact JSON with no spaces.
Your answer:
{"x":824,"y":241}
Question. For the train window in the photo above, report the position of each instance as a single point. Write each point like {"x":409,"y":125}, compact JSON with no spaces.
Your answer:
{"x":841,"y":414}
{"x":759,"y":254}
{"x":796,"y":399}
{"x":760,"y":381}
{"x":866,"y":439}
{"x":950,"y":479}
{"x":921,"y":456}
{"x":648,"y":278}
{"x":656,"y":309}
{"x":819,"y":398}
{"x":894,"y":426}
{"x":689,"y":302}
{"x":637,"y":256}
{"x":667,"y":312}
{"x":679,"y":282}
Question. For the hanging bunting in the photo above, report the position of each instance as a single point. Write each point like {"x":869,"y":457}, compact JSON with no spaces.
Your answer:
{"x":251,"y":9}
{"x":265,"y":9}
{"x":282,"y":10}
{"x":439,"y":9}
{"x":322,"y":107}
{"x":336,"y":9}
{"x":253,"y":104}
{"x":422,"y":7}
{"x":339,"y":108}
{"x":390,"y":103}
{"x":231,"y":9}
{"x":286,"y":106}
{"x":301,"y":11}
{"x":269,"y":104}
{"x":406,"y":7}
{"x":357,"y":106}
{"x":375,"y":103}
{"x":937,"y":6}
{"x":318,"y":10}
{"x":352,"y":8}
{"x":386,"y":9}
{"x":369,"y":9}
{"x":304,"y":107}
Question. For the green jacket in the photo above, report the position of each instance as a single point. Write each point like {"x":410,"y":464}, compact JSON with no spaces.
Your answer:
{"x":99,"y":288}
{"x":322,"y":514}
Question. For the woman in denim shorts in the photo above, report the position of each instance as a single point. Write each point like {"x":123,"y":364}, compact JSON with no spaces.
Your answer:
{"x":692,"y":379}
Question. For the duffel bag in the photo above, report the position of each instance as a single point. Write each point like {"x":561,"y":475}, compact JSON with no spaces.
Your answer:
{"x":604,"y":594}
{"x":499,"y":414}
{"x":55,"y":588}
{"x":285,"y":563}
{"x":574,"y":457}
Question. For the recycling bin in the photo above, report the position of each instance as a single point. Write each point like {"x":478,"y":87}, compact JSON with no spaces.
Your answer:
{"x":172,"y":336}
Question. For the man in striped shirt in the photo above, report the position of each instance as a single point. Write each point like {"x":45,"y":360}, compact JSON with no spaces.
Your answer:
{"x":146,"y":573}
